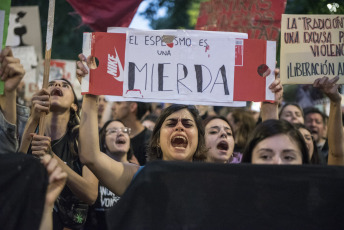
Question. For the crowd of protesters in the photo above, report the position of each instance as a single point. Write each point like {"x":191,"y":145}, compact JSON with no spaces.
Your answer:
{"x":92,"y":151}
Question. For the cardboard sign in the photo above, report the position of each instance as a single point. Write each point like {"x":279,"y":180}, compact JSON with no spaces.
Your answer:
{"x":28,"y":58}
{"x":312,"y":46}
{"x":261,"y":19}
{"x":179,"y":66}
{"x":25,"y":28}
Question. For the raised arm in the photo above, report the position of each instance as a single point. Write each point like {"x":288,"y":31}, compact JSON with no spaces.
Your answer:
{"x":114,"y":175}
{"x":85,"y":187}
{"x":335,"y":126}
{"x":11,"y":71}
{"x":269,"y":110}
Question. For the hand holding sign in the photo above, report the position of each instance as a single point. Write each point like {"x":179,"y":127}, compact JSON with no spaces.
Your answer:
{"x":84,"y":65}
{"x":276,"y":87}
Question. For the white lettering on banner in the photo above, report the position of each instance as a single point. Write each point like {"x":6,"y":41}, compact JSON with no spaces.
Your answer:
{"x":112,"y":65}
{"x":115,"y":67}
{"x":107,"y":198}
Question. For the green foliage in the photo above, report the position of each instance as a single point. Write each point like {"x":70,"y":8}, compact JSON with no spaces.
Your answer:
{"x":180,"y":14}
{"x":183,"y":14}
{"x":312,"y":7}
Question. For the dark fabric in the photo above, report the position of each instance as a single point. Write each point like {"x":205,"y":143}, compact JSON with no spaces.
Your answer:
{"x":96,"y":219}
{"x":169,"y":195}
{"x":139,"y":144}
{"x":101,"y":14}
{"x":323,"y":152}
{"x":69,"y":211}
{"x":23,"y":183}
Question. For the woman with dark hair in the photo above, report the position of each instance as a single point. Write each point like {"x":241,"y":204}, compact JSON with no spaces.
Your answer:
{"x":219,"y":139}
{"x":114,"y":141}
{"x":291,"y":112}
{"x":313,"y":154}
{"x":61,"y":130}
{"x":186,"y":116}
{"x":177,"y":136}
{"x":276,"y":142}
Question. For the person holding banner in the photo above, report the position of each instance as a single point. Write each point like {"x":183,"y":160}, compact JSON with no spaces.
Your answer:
{"x":60,"y":103}
{"x":11,"y":72}
{"x":177,"y":136}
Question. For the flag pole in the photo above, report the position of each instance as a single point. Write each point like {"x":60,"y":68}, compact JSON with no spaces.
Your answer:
{"x":47,"y":58}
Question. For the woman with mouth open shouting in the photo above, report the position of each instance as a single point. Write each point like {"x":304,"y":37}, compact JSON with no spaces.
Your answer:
{"x":219,"y":138}
{"x":62,"y":119}
{"x":178,"y":136}
{"x":219,"y":135}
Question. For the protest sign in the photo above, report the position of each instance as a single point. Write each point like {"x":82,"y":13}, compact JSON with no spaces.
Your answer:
{"x":25,"y":28}
{"x":312,"y":46}
{"x":261,"y":19}
{"x":28,"y":58}
{"x":191,"y":67}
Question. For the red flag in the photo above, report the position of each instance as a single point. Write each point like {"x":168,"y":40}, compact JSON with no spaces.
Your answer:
{"x":101,"y":14}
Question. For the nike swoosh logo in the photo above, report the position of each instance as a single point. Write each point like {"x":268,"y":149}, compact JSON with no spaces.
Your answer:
{"x":120,"y":67}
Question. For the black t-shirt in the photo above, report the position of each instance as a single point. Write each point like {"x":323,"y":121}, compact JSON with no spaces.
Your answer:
{"x":139,"y":144}
{"x":67,"y":206}
{"x":96,"y":218}
{"x":61,"y":148}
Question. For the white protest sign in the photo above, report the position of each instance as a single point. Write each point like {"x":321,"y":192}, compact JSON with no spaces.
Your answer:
{"x":178,"y":66}
{"x":312,"y":46}
{"x":192,"y":65}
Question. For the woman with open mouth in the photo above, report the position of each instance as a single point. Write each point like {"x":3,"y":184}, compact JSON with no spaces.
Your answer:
{"x":177,"y":136}
{"x":114,"y":142}
{"x":219,"y":139}
{"x":60,"y":104}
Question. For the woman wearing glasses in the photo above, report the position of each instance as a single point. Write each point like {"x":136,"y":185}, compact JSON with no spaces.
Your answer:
{"x":114,"y":142}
